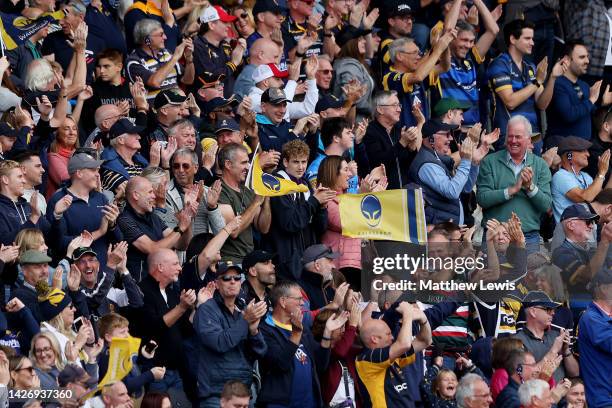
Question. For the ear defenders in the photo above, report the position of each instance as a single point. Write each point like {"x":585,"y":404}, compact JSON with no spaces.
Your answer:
{"x":147,"y":41}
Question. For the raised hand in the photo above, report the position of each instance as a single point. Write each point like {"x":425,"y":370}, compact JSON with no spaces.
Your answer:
{"x":14,"y":305}
{"x":86,"y":93}
{"x":117,"y":256}
{"x":370,"y":19}
{"x":340,"y":295}
{"x":360,"y":130}
{"x":111,"y":212}
{"x":603,"y":163}
{"x":74,"y":278}
{"x":514,"y":229}
{"x":206,"y":293}
{"x":336,"y":321}
{"x":474,"y":133}
{"x":8,"y":253}
{"x":560,"y":68}
{"x":324,"y":195}
{"x":312,"y":64}
{"x":269,"y":160}
{"x":541,"y":70}
{"x":188,"y":298}
{"x":44,"y":106}
{"x":466,"y":149}
{"x":62,"y":205}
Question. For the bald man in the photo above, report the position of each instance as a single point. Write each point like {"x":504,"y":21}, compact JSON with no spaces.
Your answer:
{"x":263,"y":51}
{"x":382,"y":360}
{"x":144,"y":231}
{"x":165,"y":311}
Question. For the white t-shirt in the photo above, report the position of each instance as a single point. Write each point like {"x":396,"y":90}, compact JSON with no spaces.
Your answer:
{"x":609,"y":53}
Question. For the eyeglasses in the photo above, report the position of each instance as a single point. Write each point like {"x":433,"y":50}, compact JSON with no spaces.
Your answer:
{"x":42,"y":350}
{"x":235,"y":278}
{"x":294,"y":297}
{"x":481,"y":395}
{"x":587,"y":222}
{"x":178,"y":166}
{"x":417,"y":52}
{"x":158,"y":34}
{"x":393,"y":105}
{"x":325,"y":71}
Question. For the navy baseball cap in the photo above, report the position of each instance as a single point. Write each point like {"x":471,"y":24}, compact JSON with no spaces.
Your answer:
{"x":225,"y":267}
{"x":227,"y":124}
{"x":578,"y":211}
{"x":7,"y":130}
{"x":539,"y":298}
{"x":431,"y":127}
{"x":124,"y":126}
{"x":328,"y":102}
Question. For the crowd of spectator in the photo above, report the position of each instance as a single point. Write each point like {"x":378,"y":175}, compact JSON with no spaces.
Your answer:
{"x":127,"y":137}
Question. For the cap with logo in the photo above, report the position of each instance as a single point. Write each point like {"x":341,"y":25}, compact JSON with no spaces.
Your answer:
{"x":33,"y":257}
{"x":227,"y":124}
{"x":572,"y":144}
{"x":262,"y":6}
{"x":431,"y":127}
{"x":539,"y":298}
{"x":210,"y":79}
{"x":81,"y":161}
{"x":214,"y":13}
{"x":168,"y":97}
{"x":124,"y":126}
{"x":7,"y":130}
{"x":318,"y":251}
{"x":328,"y":101}
{"x":265,"y":71}
{"x":80,"y":251}
{"x":225,"y":267}
{"x":398,"y":8}
{"x":275,"y":96}
{"x":579,"y":212}
{"x":255,"y":257}
{"x":446,"y":104}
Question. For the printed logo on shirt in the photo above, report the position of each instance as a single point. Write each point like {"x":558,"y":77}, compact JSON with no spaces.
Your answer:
{"x":400,"y":387}
{"x":301,"y":356}
{"x":504,"y":78}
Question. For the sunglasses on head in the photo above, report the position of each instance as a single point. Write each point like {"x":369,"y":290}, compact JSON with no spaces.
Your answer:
{"x":235,"y":278}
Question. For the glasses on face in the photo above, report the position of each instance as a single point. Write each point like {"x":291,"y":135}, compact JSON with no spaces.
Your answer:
{"x":43,"y":350}
{"x":487,"y":395}
{"x":417,"y":52}
{"x":178,"y":166}
{"x":157,"y":34}
{"x":30,"y":369}
{"x":243,"y":16}
{"x":235,"y":278}
{"x":548,"y":310}
{"x":298,"y":298}
{"x":325,"y":71}
{"x":393,"y":105}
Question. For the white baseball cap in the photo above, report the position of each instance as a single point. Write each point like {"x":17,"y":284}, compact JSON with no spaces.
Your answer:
{"x":265,"y":71}
{"x":214,"y":13}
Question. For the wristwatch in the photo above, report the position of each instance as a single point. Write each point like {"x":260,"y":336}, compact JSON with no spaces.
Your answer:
{"x":531,"y":187}
{"x":178,"y":229}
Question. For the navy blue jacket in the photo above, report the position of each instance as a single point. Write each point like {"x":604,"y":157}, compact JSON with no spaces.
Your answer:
{"x":15,"y":216}
{"x":80,"y":216}
{"x":571,"y":109}
{"x":509,"y":397}
{"x":272,"y":136}
{"x":227,"y":351}
{"x":111,"y":161}
{"x":276,"y":368}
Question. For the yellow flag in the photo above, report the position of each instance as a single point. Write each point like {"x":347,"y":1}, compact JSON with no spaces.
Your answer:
{"x":268,"y":185}
{"x":394,"y":215}
{"x":119,"y":361}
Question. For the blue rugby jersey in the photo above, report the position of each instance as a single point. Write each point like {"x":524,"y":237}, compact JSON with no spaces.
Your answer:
{"x":504,"y":74}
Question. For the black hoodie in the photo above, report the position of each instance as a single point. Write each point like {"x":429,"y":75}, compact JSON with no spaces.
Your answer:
{"x":15,"y":216}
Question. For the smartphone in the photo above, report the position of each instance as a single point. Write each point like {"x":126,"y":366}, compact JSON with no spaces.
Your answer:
{"x":163,"y":144}
{"x":76,"y":325}
{"x":94,"y":325}
{"x":150,"y":347}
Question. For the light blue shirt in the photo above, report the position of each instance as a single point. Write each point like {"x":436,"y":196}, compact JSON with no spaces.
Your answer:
{"x":463,"y":182}
{"x":517,"y":168}
{"x":562,"y":182}
{"x":313,"y":170}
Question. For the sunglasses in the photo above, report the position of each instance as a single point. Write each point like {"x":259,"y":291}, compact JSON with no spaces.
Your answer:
{"x":184,"y":166}
{"x":325,"y":71}
{"x":235,"y":278}
{"x":30,"y":369}
{"x":243,"y":16}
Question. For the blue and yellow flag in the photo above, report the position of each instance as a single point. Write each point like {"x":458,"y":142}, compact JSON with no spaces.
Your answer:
{"x":16,"y":30}
{"x":394,"y":215}
{"x":269,"y":185}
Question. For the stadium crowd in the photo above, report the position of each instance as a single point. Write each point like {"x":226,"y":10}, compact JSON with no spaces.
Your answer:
{"x":127,"y":138}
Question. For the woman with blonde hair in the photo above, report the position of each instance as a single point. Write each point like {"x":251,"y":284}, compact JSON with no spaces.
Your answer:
{"x":60,"y":151}
{"x":245,"y":23}
{"x":22,"y":373}
{"x":46,"y":357}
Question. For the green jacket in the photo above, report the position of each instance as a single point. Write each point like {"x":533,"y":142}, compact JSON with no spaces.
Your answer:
{"x":495,"y":175}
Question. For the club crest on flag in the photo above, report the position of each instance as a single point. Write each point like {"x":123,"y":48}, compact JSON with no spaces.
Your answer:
{"x":270,"y":185}
{"x":270,"y":182}
{"x":371,"y":209}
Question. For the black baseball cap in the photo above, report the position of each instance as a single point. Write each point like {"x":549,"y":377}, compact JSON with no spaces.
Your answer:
{"x":272,"y":6}
{"x":225,"y":267}
{"x":219,"y":102}
{"x":80,"y":251}
{"x":398,"y":8}
{"x":227,"y":124}
{"x":328,"y":101}
{"x":209,"y":79}
{"x":539,"y":298}
{"x":578,"y":211}
{"x":124,"y":126}
{"x":431,"y":127}
{"x":572,"y":144}
{"x":168,"y":97}
{"x":275,"y":96}
{"x":349,"y":33}
{"x":255,"y":257}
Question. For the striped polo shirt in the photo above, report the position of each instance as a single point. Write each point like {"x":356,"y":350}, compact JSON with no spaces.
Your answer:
{"x":460,"y":83}
{"x":407,"y":93}
{"x":141,"y":64}
{"x":504,"y":74}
